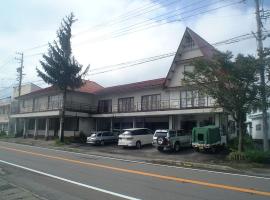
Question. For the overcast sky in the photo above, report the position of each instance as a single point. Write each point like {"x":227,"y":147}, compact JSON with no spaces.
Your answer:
{"x":100,"y":37}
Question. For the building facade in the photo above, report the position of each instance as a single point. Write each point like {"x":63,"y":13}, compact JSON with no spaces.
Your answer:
{"x":4,"y":113}
{"x":254,"y":124}
{"x":6,"y":104}
{"x":159,"y":103}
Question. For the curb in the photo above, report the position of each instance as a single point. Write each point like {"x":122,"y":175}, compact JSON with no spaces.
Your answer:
{"x":188,"y":164}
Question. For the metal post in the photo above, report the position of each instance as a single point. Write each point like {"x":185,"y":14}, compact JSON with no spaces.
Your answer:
{"x":35,"y":129}
{"x":134,"y":122}
{"x":262,"y":77}
{"x":47,"y":129}
{"x":111,"y":124}
{"x":24,"y":128}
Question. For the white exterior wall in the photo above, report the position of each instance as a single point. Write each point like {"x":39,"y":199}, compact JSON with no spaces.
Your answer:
{"x":176,"y":79}
{"x":256,"y":120}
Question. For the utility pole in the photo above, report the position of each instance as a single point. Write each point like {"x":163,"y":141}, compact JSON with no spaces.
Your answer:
{"x":259,"y":38}
{"x":20,"y":72}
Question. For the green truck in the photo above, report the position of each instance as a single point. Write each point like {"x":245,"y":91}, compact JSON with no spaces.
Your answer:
{"x":207,"y":138}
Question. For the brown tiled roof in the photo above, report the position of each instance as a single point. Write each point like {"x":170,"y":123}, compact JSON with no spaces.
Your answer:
{"x":89,"y":87}
{"x":132,"y":86}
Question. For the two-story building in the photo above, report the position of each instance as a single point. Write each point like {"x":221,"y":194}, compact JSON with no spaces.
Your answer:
{"x":39,"y":111}
{"x":5,"y":105}
{"x":159,"y":103}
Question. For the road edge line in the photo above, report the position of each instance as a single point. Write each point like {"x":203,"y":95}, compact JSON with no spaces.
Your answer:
{"x":70,"y":181}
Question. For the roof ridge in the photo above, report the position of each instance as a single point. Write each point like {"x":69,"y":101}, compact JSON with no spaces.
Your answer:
{"x":135,"y":82}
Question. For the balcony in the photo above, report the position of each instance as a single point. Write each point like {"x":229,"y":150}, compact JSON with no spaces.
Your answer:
{"x":163,"y":105}
{"x":52,"y":106}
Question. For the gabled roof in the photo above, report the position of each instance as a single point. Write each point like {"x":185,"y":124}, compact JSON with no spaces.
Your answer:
{"x":132,"y":86}
{"x":89,"y":87}
{"x":206,"y":49}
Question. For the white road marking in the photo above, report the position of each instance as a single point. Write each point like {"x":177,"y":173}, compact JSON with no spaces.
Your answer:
{"x":143,"y":162}
{"x":70,"y":181}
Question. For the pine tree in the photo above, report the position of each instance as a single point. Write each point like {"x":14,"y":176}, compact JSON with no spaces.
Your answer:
{"x":60,"y":67}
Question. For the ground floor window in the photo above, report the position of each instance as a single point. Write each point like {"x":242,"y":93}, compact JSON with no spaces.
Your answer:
{"x":41,"y":124}
{"x":31,"y":124}
{"x":258,"y":127}
{"x":71,"y":124}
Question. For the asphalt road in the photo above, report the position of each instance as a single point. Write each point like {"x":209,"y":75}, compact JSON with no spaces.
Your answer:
{"x":61,"y":175}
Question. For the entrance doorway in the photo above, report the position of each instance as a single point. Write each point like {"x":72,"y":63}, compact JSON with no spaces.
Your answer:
{"x":188,"y":125}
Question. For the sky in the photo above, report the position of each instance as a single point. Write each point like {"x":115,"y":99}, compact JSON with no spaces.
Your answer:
{"x":111,"y":32}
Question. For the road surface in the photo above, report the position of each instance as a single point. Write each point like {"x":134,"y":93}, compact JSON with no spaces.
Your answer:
{"x":53,"y":174}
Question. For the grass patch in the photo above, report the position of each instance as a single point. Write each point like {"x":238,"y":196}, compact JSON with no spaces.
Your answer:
{"x":251,"y":152}
{"x":4,"y":135}
{"x":59,"y":143}
{"x":254,"y":156}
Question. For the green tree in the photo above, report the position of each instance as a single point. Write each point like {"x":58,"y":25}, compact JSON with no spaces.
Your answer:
{"x":231,"y":83}
{"x":60,"y":68}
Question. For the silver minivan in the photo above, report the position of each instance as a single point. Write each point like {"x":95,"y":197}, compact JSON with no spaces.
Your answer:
{"x":102,"y":137}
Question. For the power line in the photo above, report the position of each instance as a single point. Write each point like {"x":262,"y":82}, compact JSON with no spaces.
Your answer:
{"x":141,"y":25}
{"x":120,"y":17}
{"x":152,"y":24}
{"x":162,"y":56}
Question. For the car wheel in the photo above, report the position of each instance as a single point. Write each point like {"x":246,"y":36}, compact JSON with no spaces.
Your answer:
{"x":138,"y":145}
{"x":160,"y":148}
{"x":176,"y":147}
{"x":102,"y":143}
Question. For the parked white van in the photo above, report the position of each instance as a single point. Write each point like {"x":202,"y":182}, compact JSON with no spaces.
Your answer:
{"x":135,"y":137}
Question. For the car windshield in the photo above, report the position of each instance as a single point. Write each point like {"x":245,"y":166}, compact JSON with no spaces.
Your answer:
{"x":126,"y":133}
{"x":161,"y":134}
{"x":96,"y":135}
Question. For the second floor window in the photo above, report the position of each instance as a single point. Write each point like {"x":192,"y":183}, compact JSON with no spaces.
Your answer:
{"x":126,"y":104}
{"x":150,"y":102}
{"x":193,"y":98}
{"x":105,"y":106}
{"x":54,"y":102}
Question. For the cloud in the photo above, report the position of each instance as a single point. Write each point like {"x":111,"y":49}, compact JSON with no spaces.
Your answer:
{"x":37,"y":22}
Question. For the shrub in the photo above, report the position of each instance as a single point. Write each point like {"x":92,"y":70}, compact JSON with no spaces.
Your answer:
{"x":247,"y":143}
{"x":19,"y":133}
{"x":2,"y":133}
{"x":59,"y":143}
{"x":258,"y":156}
{"x":82,"y":137}
{"x":237,"y":156}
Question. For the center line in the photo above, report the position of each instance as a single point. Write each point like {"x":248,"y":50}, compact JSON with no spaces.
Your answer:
{"x":182,"y":180}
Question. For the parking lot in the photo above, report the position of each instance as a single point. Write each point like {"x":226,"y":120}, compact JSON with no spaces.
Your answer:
{"x":146,"y":153}
{"x":149,"y":152}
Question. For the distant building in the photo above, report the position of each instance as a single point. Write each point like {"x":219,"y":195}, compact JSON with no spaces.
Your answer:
{"x":25,"y":89}
{"x":6,"y":105}
{"x":254,"y":122}
{"x":4,"y":113}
